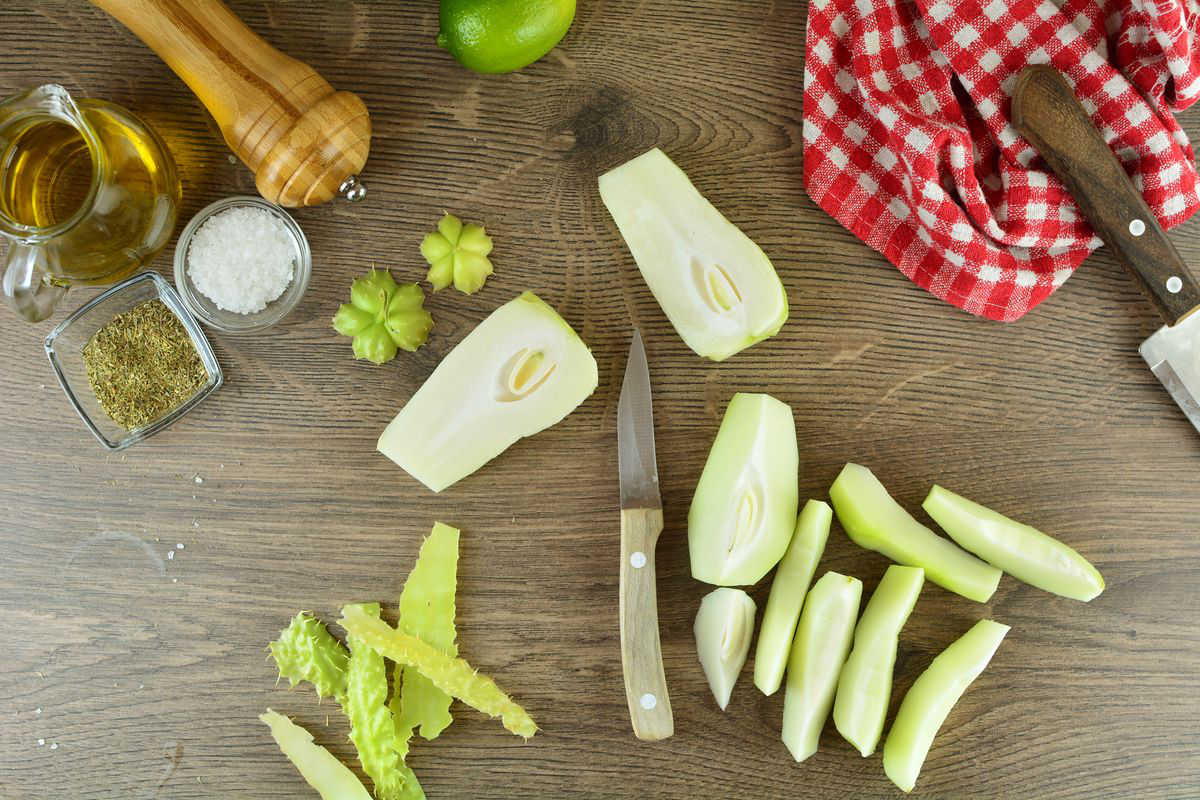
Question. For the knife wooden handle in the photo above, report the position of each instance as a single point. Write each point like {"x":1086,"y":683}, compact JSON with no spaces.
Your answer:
{"x":1046,"y":112}
{"x":641,"y":653}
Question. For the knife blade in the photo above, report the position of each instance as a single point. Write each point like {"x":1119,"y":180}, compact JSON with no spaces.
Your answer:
{"x":641,"y":523}
{"x":637,"y":462}
{"x":1046,"y":111}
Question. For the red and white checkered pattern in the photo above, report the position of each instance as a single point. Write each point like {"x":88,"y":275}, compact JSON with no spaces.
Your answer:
{"x":908,"y":141}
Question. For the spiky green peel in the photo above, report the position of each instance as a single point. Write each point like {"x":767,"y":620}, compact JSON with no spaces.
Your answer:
{"x":372,"y":728}
{"x":452,"y":675}
{"x":427,"y":612}
{"x":319,"y":767}
{"x":306,"y":651}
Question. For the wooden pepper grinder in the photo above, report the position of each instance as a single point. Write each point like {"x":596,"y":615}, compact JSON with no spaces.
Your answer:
{"x":304,"y":141}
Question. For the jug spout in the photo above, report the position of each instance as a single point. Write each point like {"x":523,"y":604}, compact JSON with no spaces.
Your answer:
{"x":29,"y":286}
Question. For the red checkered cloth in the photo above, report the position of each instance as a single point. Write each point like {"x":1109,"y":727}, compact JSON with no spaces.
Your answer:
{"x":908,"y":141}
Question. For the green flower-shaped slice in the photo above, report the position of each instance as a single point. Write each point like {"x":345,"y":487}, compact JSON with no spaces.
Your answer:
{"x":458,"y":254}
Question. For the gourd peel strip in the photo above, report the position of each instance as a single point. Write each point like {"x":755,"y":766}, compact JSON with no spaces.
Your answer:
{"x":452,"y":675}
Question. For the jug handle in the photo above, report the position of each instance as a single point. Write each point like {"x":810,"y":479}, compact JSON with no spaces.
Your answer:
{"x":28,"y":285}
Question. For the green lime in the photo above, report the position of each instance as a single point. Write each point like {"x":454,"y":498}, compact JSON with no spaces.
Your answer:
{"x":502,"y":35}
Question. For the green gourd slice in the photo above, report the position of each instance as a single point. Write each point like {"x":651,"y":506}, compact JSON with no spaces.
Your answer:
{"x":788,"y":588}
{"x":321,"y":770}
{"x":873,"y":520}
{"x":1020,"y":550}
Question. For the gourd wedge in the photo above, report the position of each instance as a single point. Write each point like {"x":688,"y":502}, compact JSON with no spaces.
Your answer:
{"x":822,"y":642}
{"x":933,"y":694}
{"x":875,"y":521}
{"x":331,"y":779}
{"x":744,"y":509}
{"x":518,"y":372}
{"x":794,"y":574}
{"x":1023,"y":552}
{"x":724,"y":625}
{"x":865,"y":685}
{"x":715,"y":285}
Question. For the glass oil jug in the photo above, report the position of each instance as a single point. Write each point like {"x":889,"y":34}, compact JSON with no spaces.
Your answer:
{"x":88,"y":194}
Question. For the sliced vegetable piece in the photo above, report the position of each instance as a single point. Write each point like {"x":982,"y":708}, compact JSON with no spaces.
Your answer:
{"x":457,"y":254}
{"x":874,"y":520}
{"x":788,"y":588}
{"x":452,"y":675}
{"x":306,"y":651}
{"x":931,"y":697}
{"x":865,"y":686}
{"x":427,"y":612}
{"x":744,"y":510}
{"x":382,"y":317}
{"x":822,"y":642}
{"x":715,"y":285}
{"x":520,"y":371}
{"x":372,"y":728}
{"x":1020,"y":550}
{"x":320,"y":768}
{"x":723,"y":629}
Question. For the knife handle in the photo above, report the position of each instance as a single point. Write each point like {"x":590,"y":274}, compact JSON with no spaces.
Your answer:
{"x":641,"y":653}
{"x":1046,"y":112}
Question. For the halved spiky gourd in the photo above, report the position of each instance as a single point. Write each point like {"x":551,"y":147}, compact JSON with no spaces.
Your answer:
{"x":520,"y":371}
{"x":744,"y":509}
{"x":714,"y":284}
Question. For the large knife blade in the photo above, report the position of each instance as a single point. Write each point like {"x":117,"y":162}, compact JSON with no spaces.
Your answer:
{"x":1047,"y":113}
{"x":641,"y":523}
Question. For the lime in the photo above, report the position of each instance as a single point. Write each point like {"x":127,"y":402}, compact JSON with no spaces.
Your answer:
{"x":502,"y":35}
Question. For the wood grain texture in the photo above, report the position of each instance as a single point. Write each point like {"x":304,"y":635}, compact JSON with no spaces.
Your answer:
{"x":641,"y":648}
{"x":148,"y":672}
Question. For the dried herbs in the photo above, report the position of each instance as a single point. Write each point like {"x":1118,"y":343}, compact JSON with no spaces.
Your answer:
{"x":143,"y":365}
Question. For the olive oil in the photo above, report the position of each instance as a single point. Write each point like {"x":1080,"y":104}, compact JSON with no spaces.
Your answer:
{"x":101,"y":194}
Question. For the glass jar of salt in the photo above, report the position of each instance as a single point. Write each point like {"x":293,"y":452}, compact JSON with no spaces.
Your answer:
{"x":242,"y":264}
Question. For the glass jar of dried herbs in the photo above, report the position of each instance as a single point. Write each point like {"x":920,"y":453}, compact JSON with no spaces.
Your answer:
{"x":142,"y":365}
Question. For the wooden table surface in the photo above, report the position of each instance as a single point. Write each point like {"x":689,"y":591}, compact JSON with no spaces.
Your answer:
{"x":134,"y":669}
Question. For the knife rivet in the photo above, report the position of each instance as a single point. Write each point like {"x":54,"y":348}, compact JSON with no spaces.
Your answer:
{"x":638,"y":559}
{"x":1174,"y":284}
{"x":649,"y":701}
{"x":1137,"y":227}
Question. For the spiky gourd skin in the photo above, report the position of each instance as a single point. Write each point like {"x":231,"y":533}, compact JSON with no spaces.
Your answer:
{"x":452,"y":675}
{"x":319,"y":768}
{"x":306,"y":651}
{"x":427,"y":612}
{"x":372,"y":728}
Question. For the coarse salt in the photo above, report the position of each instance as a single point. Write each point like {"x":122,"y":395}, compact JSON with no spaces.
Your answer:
{"x":242,"y":259}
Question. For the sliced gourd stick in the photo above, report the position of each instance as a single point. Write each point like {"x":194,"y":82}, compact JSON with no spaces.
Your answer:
{"x":865,"y":685}
{"x":933,"y":694}
{"x":788,"y":588}
{"x":427,"y":612}
{"x":372,"y":728}
{"x":452,"y":675}
{"x":1020,"y":550}
{"x":306,"y":651}
{"x":320,"y":768}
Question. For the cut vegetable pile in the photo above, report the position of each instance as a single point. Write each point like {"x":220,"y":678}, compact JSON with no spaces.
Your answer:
{"x":735,"y":536}
{"x":428,"y":676}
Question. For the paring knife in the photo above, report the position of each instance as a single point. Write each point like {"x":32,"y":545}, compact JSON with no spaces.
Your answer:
{"x":641,"y":523}
{"x":1047,"y":113}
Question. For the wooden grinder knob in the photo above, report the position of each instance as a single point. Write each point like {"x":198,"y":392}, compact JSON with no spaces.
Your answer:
{"x":304,"y":141}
